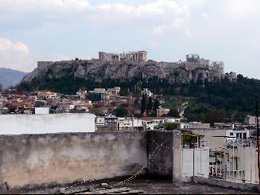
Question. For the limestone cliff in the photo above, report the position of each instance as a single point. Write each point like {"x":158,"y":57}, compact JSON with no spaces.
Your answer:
{"x":98,"y":70}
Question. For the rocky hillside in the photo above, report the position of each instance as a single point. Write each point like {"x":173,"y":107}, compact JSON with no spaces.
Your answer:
{"x":9,"y":77}
{"x":100,"y":70}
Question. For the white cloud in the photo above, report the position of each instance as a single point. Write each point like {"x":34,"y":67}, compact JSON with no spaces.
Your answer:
{"x":32,"y":14}
{"x":158,"y":7}
{"x":6,"y":45}
{"x":20,"y":6}
{"x":155,"y":16}
{"x":14,"y":54}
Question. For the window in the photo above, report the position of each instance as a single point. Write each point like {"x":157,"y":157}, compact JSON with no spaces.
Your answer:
{"x":231,"y":134}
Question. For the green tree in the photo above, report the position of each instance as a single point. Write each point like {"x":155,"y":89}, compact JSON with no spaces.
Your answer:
{"x":143,"y":105}
{"x":90,"y":96}
{"x":150,"y":103}
{"x":174,"y":113}
{"x":121,"y":112}
{"x":190,"y":138}
{"x":124,"y":92}
{"x":149,"y":107}
{"x":96,"y":111}
{"x":136,"y":103}
{"x":214,"y":116}
{"x":171,"y":126}
{"x":156,"y":105}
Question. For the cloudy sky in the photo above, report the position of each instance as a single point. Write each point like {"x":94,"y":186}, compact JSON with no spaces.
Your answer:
{"x":228,"y":30}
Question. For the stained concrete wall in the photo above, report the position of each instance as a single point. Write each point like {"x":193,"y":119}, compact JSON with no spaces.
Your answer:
{"x":159,"y":146}
{"x":50,"y":123}
{"x":64,"y":158}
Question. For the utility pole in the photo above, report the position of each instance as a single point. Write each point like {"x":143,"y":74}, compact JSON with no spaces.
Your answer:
{"x":257,"y":139}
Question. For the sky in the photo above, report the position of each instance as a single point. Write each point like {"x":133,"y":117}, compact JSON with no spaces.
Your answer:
{"x":35,"y":30}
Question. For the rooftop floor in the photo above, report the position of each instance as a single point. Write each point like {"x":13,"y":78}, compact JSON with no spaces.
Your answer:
{"x":168,"y":187}
{"x":141,"y":185}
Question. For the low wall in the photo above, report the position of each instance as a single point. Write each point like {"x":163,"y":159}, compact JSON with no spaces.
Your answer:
{"x":64,"y":158}
{"x":49,"y":123}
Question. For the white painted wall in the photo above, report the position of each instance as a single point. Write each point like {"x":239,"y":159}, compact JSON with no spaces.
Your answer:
{"x":187,"y":162}
{"x":233,"y":133}
{"x":201,"y":162}
{"x":251,"y":165}
{"x":172,"y":120}
{"x":100,"y":120}
{"x":184,"y":125}
{"x":137,"y":123}
{"x":42,"y":110}
{"x":195,"y":162}
{"x":42,"y":124}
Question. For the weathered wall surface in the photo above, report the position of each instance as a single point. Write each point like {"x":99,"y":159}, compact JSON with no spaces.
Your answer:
{"x":177,"y":155}
{"x":213,"y":137}
{"x":63,"y":158}
{"x":49,"y":123}
{"x":160,"y":144}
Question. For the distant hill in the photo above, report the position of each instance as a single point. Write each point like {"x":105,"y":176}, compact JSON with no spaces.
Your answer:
{"x":10,"y":77}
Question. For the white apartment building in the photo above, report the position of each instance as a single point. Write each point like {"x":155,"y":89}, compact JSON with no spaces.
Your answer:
{"x":114,"y":123}
{"x":251,"y":120}
{"x":194,"y":125}
{"x":114,"y":91}
{"x":234,"y":135}
{"x":151,"y":122}
{"x":130,"y":123}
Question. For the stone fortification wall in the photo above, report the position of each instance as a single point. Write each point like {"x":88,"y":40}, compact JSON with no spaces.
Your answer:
{"x":64,"y":158}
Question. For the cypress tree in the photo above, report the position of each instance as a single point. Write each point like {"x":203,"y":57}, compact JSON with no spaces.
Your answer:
{"x":156,"y":105}
{"x":143,"y":105}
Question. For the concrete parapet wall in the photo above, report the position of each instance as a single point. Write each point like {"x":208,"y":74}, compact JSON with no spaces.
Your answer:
{"x":64,"y":158}
{"x":160,"y":144}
